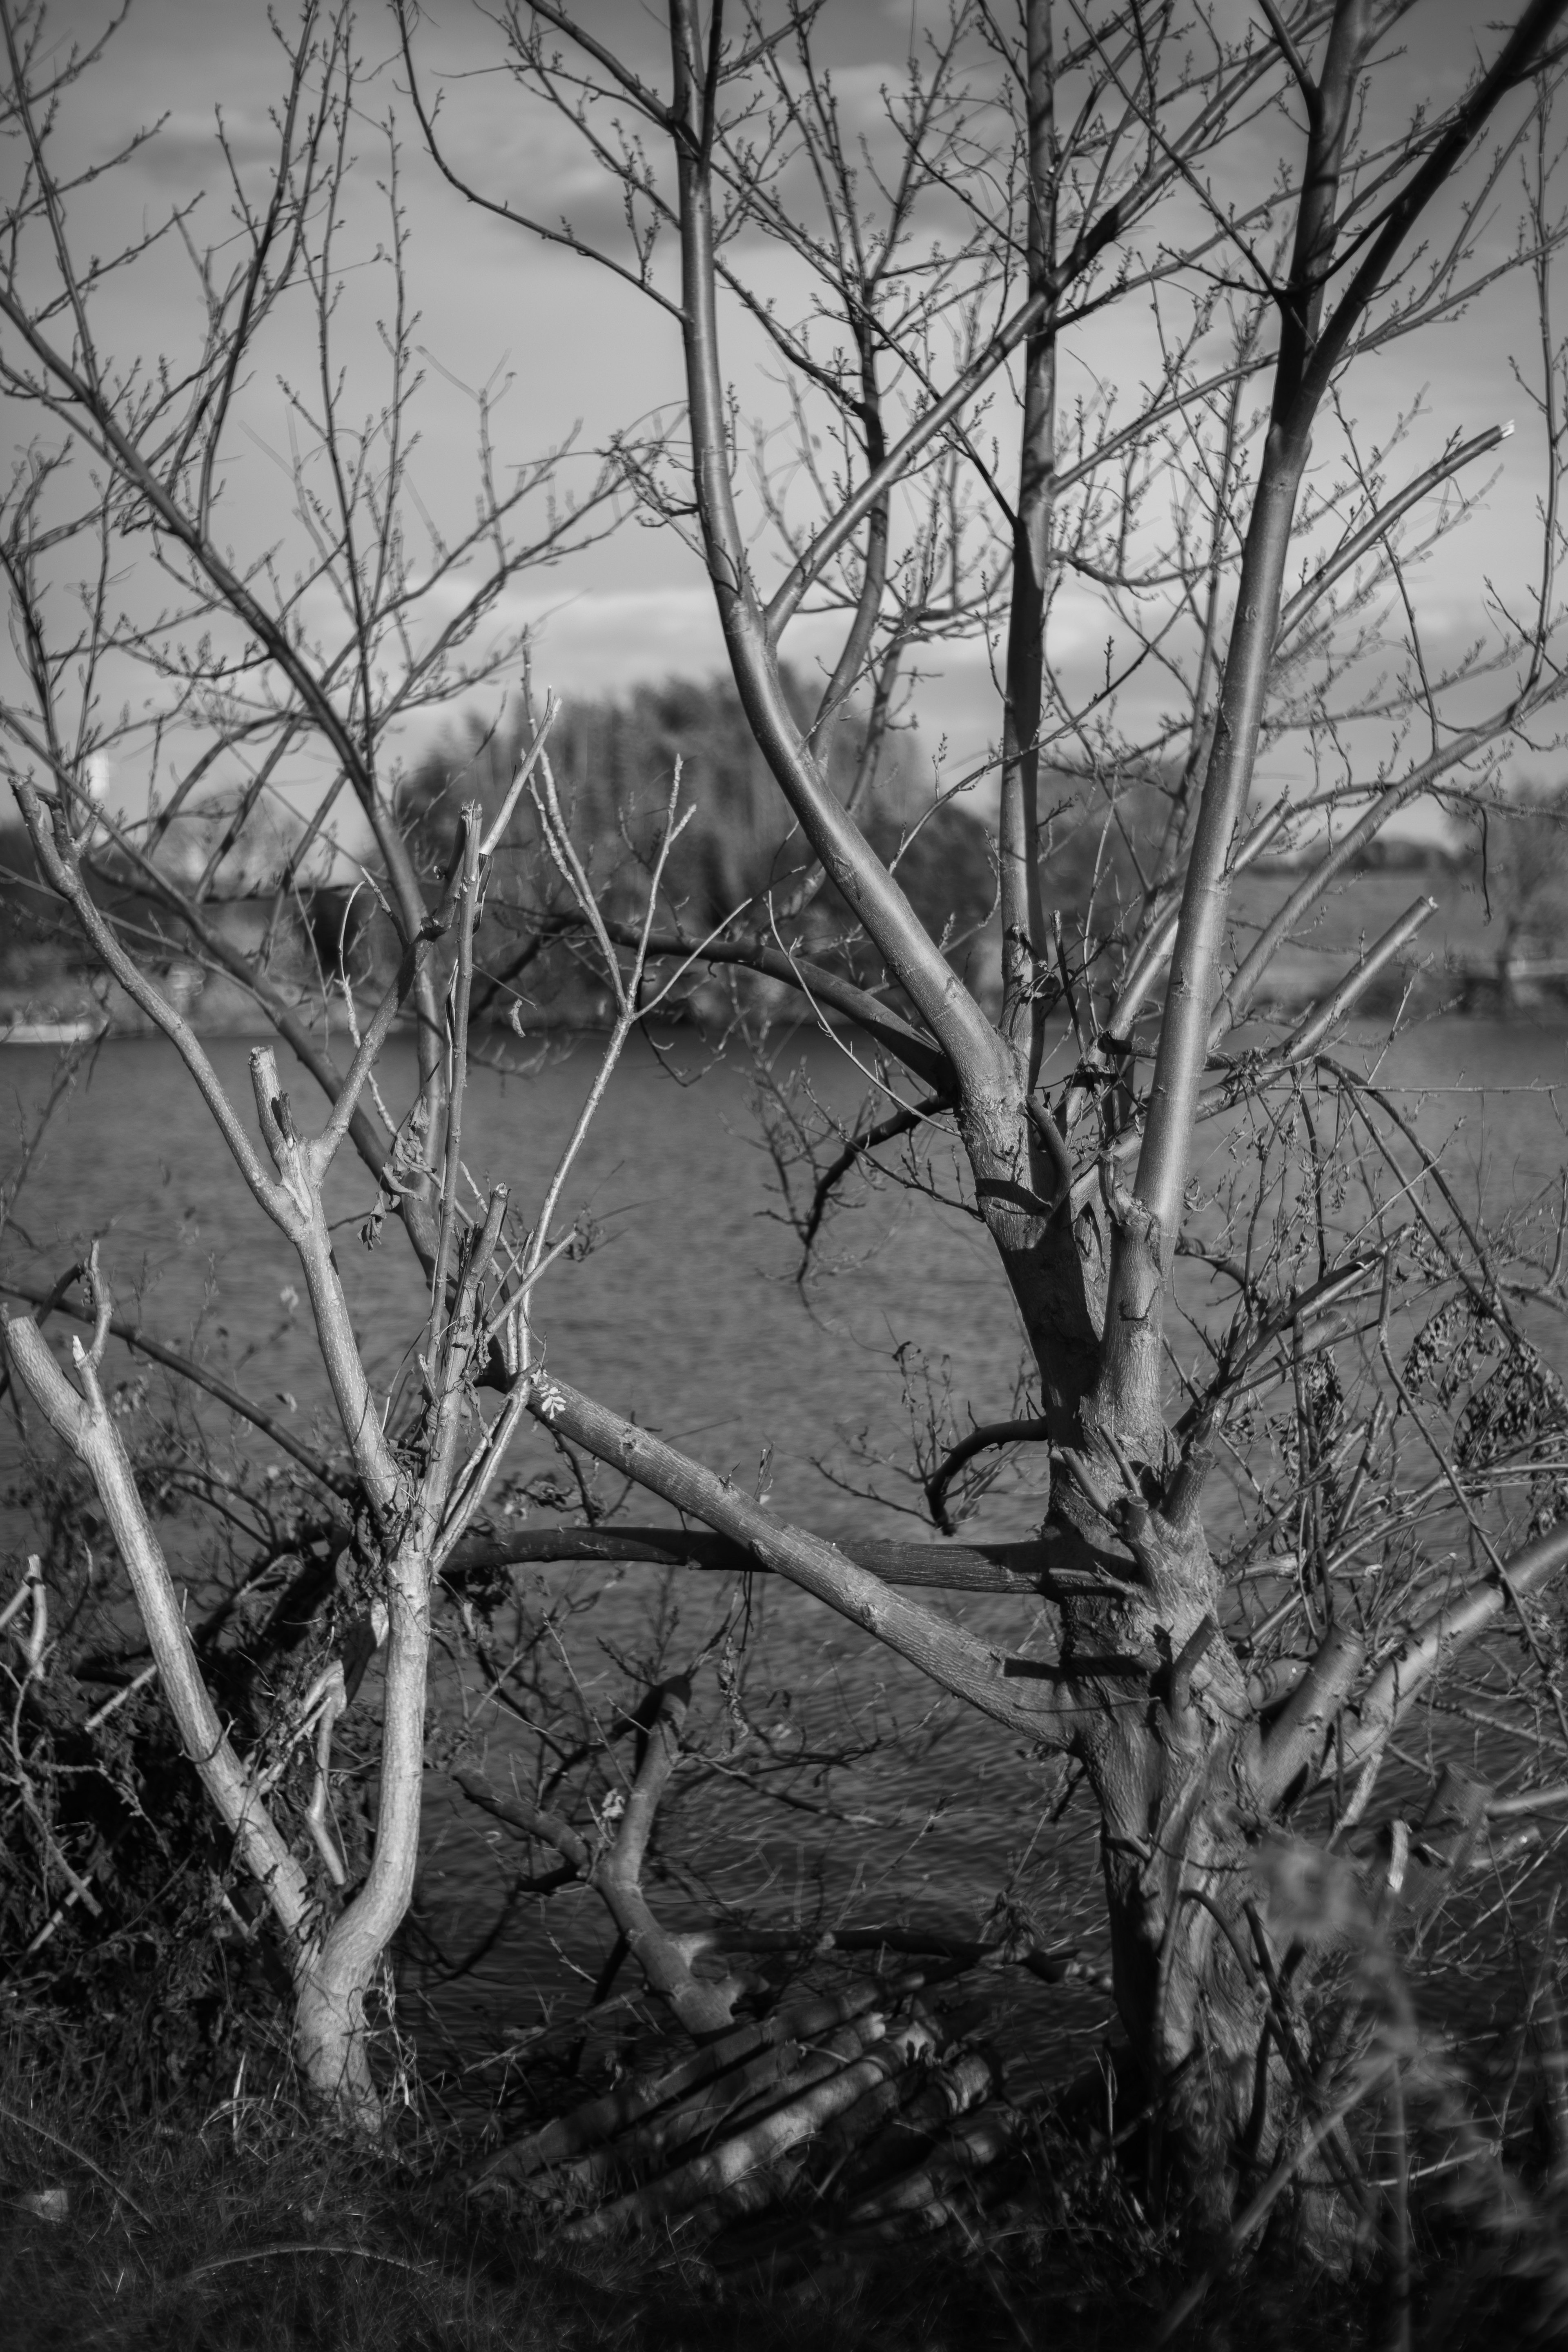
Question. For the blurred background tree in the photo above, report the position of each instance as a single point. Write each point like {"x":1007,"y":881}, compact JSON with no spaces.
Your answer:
{"x":741,"y":865}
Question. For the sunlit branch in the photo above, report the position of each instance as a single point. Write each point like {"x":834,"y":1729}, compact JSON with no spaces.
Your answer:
{"x":1426,"y":1647}
{"x":1362,"y":542}
{"x":954,"y":1659}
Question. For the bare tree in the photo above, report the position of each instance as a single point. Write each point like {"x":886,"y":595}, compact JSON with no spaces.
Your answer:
{"x":1226,"y":1676}
{"x":1087,"y":164}
{"x":222,"y":669}
{"x":1525,"y":868}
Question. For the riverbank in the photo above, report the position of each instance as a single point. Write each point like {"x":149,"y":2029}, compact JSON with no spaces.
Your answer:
{"x":1455,"y":964}
{"x":240,"y":2224}
{"x":685,"y":1315}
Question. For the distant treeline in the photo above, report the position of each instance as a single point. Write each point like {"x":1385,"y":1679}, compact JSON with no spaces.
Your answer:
{"x":739,"y":860}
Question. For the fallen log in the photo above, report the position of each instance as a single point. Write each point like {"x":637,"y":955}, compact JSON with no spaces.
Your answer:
{"x":1035,"y":1570}
{"x":966,"y":2150}
{"x":722,"y":2169}
{"x":901,"y":2117}
{"x":733,"y":2100}
{"x":599,"y":2120}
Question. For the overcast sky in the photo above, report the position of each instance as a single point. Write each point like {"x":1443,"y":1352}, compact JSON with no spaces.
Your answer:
{"x":586,"y":356}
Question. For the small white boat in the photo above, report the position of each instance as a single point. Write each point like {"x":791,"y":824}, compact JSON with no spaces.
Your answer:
{"x":79,"y":1031}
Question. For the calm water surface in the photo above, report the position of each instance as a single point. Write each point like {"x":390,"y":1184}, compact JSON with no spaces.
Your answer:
{"x":688,"y":1319}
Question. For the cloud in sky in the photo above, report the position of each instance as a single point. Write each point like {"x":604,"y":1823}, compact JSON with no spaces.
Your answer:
{"x":585,"y":350}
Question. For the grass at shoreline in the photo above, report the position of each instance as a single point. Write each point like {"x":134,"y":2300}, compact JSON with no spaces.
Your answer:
{"x":253,"y":2227}
{"x":250,"y":2229}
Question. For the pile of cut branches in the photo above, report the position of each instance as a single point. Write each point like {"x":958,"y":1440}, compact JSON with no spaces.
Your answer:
{"x":864,"y":2114}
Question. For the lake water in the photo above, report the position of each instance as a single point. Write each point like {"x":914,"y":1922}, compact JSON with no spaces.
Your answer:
{"x":687,"y":1316}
